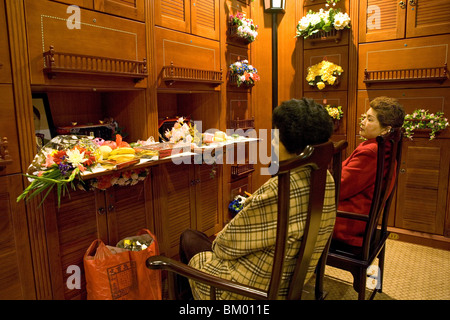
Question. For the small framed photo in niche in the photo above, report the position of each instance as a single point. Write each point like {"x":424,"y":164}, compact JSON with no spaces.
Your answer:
{"x":43,"y":122}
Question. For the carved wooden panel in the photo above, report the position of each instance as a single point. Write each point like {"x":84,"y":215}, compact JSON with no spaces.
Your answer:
{"x":207,"y":198}
{"x":381,"y":20}
{"x":422,"y":185}
{"x":98,"y":34}
{"x":404,"y":54}
{"x":427,"y":18}
{"x":205,"y":18}
{"x":173,"y":14}
{"x":133,"y":9}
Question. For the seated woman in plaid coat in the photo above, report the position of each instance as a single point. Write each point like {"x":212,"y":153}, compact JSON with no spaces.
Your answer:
{"x":243,"y":251}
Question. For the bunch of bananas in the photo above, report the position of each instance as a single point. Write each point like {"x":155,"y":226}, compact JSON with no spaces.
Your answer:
{"x":119,"y":155}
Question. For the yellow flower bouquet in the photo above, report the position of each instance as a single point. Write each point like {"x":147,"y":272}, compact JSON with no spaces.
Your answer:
{"x":323,"y":73}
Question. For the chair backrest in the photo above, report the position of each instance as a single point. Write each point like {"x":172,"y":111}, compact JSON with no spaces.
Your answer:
{"x":388,"y":166}
{"x":318,"y":158}
{"x":336,"y":166}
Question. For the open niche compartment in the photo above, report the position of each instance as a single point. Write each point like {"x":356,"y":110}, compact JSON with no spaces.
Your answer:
{"x":95,"y":112}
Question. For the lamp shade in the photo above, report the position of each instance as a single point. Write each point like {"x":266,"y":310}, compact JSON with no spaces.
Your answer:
{"x":275,"y":5}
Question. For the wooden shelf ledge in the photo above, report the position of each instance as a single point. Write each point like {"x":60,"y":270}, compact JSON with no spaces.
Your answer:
{"x":439,"y":74}
{"x":70,"y":63}
{"x":171,"y":74}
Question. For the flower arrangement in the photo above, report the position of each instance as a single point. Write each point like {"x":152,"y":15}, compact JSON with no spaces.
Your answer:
{"x":243,"y":73}
{"x":335,"y":112}
{"x":182,"y":132}
{"x":125,"y":178}
{"x":323,"y":73}
{"x":245,"y":28}
{"x":324,"y":20}
{"x":58,"y":163}
{"x":423,"y":119}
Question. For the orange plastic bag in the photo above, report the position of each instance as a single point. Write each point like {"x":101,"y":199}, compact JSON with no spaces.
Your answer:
{"x":149,"y":281}
{"x":109,"y":276}
{"x":115,"y":273}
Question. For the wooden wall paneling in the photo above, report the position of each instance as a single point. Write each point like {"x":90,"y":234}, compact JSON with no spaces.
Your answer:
{"x":16,"y":278}
{"x":99,"y":35}
{"x":207,"y":200}
{"x":173,"y":15}
{"x":128,"y":108}
{"x":205,"y":18}
{"x":381,"y":20}
{"x":423,"y":185}
{"x":334,"y":98}
{"x":404,"y":54}
{"x":24,"y":117}
{"x":8,"y":129}
{"x":71,"y":229}
{"x":204,"y":107}
{"x":129,"y":209}
{"x":337,"y":55}
{"x":5,"y":60}
{"x":133,"y":9}
{"x":238,"y":106}
{"x":174,"y":205}
{"x":187,"y":51}
{"x":432,"y":99}
{"x":427,"y":18}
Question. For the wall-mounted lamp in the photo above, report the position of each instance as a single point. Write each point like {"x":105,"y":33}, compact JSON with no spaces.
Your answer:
{"x":275,"y":6}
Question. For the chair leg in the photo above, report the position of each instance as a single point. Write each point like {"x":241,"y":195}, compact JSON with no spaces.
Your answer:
{"x":381,"y":269}
{"x":362,"y":284}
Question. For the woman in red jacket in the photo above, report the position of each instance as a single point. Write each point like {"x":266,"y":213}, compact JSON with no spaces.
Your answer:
{"x":358,"y":170}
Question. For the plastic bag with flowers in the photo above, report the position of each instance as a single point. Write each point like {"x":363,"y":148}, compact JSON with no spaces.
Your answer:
{"x":323,"y":73}
{"x":243,"y":27}
{"x":322,"y":21}
{"x":58,"y":163}
{"x":243,"y":73}
{"x":125,"y":178}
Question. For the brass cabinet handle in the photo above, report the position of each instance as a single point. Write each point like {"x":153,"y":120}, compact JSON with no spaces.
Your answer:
{"x":101,"y":211}
{"x":402,"y":4}
{"x":412,"y":2}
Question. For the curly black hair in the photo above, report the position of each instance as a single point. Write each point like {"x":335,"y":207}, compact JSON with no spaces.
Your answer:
{"x":301,"y":123}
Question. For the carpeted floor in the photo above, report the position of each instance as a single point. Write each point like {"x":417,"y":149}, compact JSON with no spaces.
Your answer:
{"x":412,"y":272}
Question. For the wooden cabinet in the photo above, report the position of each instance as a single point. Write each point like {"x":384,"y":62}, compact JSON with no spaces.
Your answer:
{"x":187,"y":198}
{"x":423,"y":185}
{"x":109,"y":215}
{"x":16,"y":276}
{"x":127,"y":9}
{"x":5,"y":63}
{"x":100,"y":53}
{"x":199,"y":17}
{"x":393,"y":19}
{"x":404,"y":63}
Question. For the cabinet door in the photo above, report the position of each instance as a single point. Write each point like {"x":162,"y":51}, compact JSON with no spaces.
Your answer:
{"x":427,"y":17}
{"x":70,"y":230}
{"x":205,"y":18}
{"x":16,"y":276}
{"x":133,"y":9}
{"x":174,"y":15}
{"x":175,"y":207}
{"x":382,"y":20}
{"x":89,"y":4}
{"x":5,"y":64}
{"x":422,"y":185}
{"x":129,"y":209}
{"x":206,"y":191}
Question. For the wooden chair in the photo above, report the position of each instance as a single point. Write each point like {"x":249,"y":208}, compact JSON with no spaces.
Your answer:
{"x":358,"y":259}
{"x":335,"y":168}
{"x":318,"y":157}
